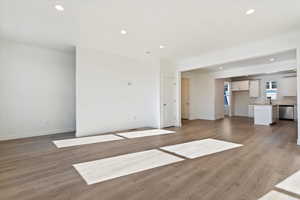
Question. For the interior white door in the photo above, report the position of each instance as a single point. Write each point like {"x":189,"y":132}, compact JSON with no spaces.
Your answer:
{"x":169,"y":101}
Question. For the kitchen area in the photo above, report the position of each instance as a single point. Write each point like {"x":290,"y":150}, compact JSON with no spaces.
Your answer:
{"x":266,"y":98}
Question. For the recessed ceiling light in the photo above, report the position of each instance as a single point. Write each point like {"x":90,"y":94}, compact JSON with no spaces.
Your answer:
{"x":59,"y":7}
{"x":220,"y":68}
{"x":272,"y":59}
{"x":250,"y":11}
{"x":123,"y":32}
{"x":161,"y":46}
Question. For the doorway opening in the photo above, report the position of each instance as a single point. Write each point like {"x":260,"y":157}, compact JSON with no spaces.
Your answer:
{"x":185,"y":98}
{"x":227,"y":99}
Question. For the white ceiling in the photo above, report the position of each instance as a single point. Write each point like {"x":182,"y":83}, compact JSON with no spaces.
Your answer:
{"x":253,"y":62}
{"x":186,"y":27}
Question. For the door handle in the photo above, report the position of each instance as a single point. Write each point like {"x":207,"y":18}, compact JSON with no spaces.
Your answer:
{"x":165,"y":104}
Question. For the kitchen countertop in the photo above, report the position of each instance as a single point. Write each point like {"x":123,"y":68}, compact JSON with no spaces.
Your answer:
{"x":263,"y":105}
{"x":287,"y":105}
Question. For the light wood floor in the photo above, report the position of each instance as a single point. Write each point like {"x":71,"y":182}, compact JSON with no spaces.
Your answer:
{"x":35,"y":169}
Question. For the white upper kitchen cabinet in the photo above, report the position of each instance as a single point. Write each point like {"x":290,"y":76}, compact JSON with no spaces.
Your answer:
{"x":254,"y":89}
{"x":234,"y":86}
{"x":240,"y":85}
{"x":289,"y":86}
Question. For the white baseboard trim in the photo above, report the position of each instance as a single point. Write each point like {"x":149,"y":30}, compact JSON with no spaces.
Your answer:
{"x":90,"y":133}
{"x":106,"y":131}
{"x":238,"y":115}
{"x":33,"y":134}
{"x":203,"y":118}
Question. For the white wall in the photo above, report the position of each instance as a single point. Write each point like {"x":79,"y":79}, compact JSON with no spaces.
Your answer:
{"x":115,"y":93}
{"x":240,"y":103}
{"x":202,"y":95}
{"x":37,"y":90}
{"x":269,"y":46}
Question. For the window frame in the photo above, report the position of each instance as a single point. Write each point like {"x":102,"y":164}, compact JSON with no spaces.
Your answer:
{"x":271,"y":89}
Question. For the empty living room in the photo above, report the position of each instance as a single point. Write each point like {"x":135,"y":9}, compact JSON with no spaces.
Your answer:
{"x":149,"y":100}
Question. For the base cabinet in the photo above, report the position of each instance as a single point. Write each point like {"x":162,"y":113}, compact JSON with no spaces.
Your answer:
{"x":251,"y":111}
{"x":265,"y":114}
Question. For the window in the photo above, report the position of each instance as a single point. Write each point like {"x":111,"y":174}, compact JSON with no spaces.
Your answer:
{"x":271,"y":89}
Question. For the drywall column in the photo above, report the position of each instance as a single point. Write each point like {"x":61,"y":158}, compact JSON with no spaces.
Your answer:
{"x":298,"y":92}
{"x":115,"y":92}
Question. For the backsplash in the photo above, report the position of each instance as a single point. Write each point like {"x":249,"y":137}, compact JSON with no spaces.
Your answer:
{"x":282,"y":100}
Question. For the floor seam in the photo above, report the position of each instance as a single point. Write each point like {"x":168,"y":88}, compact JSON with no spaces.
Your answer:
{"x":120,"y":136}
{"x":287,"y":192}
{"x":174,"y":154}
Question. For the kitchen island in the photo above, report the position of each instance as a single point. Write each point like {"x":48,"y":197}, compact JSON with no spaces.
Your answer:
{"x":265,"y":114}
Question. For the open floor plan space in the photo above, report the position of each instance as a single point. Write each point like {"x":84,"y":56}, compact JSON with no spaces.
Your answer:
{"x":149,"y":100}
{"x":35,"y":168}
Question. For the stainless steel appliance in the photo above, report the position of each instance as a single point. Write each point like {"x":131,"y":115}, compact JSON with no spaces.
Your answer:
{"x":286,"y":112}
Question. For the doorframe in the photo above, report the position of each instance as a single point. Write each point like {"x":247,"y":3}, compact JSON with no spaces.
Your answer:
{"x":188,"y":97}
{"x":298,"y":91}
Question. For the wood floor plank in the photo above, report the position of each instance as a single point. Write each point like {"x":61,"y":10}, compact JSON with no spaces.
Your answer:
{"x":34,"y":169}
